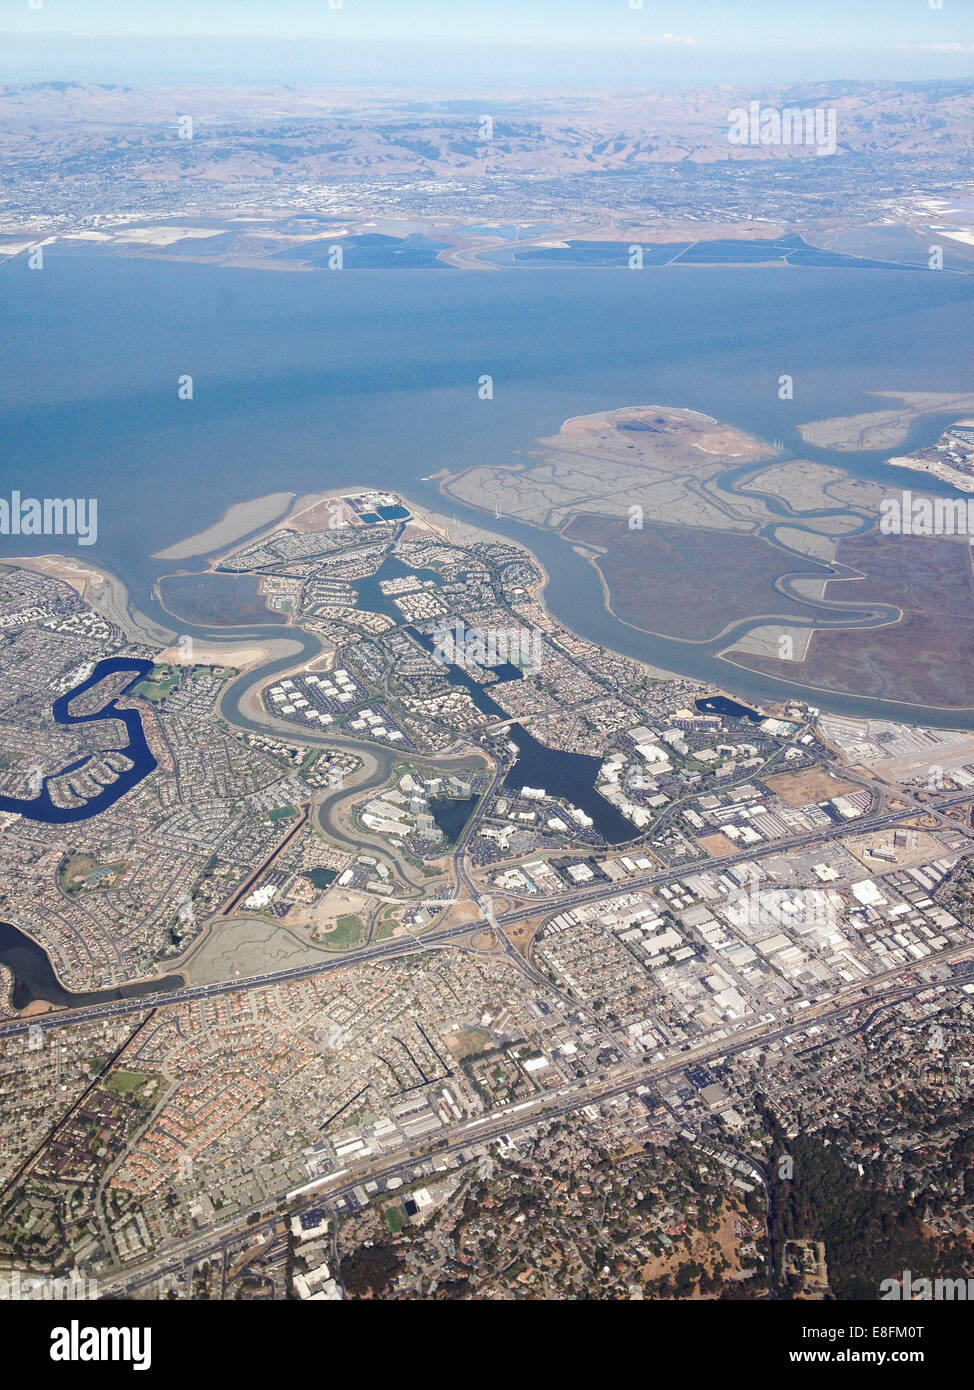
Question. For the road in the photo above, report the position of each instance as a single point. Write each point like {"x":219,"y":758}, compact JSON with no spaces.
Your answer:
{"x":443,"y":936}
{"x":275,"y":853}
{"x":511,"y":1120}
{"x":62,"y":1119}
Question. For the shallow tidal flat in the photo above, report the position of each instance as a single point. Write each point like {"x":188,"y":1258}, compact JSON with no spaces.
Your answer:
{"x":655,"y":457}
{"x":688,"y":583}
{"x":924,"y":658}
{"x":218,"y":600}
{"x":694,"y":545}
{"x":882,"y":429}
{"x":236,"y":522}
{"x":692,"y":526}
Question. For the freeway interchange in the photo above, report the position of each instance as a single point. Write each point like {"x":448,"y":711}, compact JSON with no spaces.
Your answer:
{"x":882,"y":991}
{"x":446,"y":936}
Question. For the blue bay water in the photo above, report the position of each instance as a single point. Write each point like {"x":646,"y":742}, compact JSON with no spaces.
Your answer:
{"x":305,"y":381}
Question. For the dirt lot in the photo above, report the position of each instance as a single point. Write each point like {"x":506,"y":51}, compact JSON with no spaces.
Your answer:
{"x":718,"y":845}
{"x":811,"y":785}
{"x":522,"y":935}
{"x":907,"y":855}
{"x":336,"y":903}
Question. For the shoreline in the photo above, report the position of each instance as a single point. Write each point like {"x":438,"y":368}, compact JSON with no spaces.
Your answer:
{"x":237,"y":522}
{"x":102,"y":590}
{"x":944,"y":472}
{"x":249,"y":654}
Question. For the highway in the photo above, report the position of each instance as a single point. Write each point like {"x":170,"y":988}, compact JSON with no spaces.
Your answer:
{"x":445,"y":936}
{"x":511,"y":1120}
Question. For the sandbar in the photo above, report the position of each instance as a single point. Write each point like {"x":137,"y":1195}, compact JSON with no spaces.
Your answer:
{"x":237,"y":521}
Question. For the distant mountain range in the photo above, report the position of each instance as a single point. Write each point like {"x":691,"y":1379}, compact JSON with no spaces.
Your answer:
{"x":69,"y":131}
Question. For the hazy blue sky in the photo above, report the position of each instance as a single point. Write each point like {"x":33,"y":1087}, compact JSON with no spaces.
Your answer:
{"x":670,"y":41}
